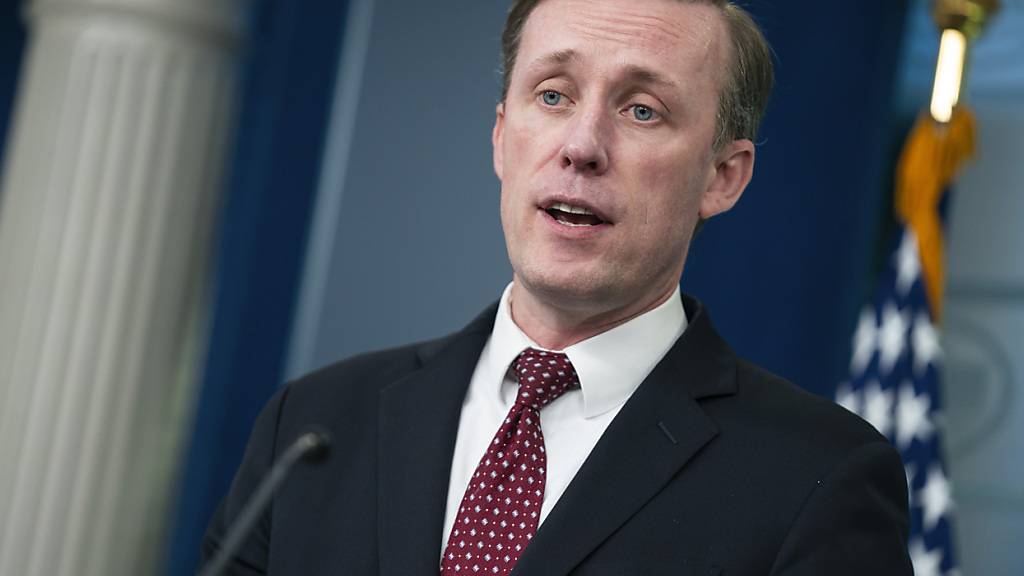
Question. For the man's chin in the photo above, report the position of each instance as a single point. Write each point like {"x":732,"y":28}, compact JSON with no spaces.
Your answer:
{"x":570,"y":289}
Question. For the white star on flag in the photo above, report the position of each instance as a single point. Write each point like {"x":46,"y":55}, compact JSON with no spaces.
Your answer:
{"x":865,"y":341}
{"x":936,"y":497}
{"x":892,"y":337}
{"x":912,"y":416}
{"x":878,"y":407}
{"x":925,"y":343}
{"x":926,"y":562}
{"x":908,"y":264}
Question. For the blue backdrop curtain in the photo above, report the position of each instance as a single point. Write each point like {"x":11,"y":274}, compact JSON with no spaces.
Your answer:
{"x":788,"y":300}
{"x":285,"y":95}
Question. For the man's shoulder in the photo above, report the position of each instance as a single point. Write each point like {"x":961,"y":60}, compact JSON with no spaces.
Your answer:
{"x":790,"y":422}
{"x":366,"y":374}
{"x":747,"y":401}
{"x":343,"y":397}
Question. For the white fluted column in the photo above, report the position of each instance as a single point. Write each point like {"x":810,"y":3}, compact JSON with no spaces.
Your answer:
{"x":110,"y":188}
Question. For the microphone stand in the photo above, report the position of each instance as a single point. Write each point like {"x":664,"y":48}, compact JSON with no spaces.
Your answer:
{"x":311,"y":446}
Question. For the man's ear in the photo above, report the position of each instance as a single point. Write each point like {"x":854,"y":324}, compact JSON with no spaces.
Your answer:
{"x":496,"y":137}
{"x":734,"y":166}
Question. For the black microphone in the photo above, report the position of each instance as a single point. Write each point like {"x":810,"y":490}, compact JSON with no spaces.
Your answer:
{"x":312,"y":446}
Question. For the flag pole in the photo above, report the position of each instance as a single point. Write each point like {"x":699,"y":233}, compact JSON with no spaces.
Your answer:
{"x":961,"y":22}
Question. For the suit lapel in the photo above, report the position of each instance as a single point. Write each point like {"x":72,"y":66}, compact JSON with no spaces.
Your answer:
{"x":656,"y":433}
{"x":419,"y":418}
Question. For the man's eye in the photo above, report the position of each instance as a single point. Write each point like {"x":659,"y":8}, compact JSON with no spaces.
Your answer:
{"x":643,"y":113}
{"x":551,"y":98}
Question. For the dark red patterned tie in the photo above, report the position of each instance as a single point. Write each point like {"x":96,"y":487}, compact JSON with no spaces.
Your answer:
{"x":501,"y":508}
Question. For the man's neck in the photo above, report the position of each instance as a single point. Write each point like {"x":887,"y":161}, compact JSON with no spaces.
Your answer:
{"x":556,"y":328}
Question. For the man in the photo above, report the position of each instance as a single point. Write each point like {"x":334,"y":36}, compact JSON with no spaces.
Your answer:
{"x":592,"y":422}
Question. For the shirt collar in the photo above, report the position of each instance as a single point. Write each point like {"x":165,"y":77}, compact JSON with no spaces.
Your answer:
{"x":610,"y":365}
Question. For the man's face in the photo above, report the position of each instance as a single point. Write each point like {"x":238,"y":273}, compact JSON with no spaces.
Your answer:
{"x":611,"y":111}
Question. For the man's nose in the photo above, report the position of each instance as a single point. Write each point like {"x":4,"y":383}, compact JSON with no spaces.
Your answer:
{"x":585,"y":147}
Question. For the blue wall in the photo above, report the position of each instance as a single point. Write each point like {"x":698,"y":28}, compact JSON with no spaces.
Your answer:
{"x":416,"y":248}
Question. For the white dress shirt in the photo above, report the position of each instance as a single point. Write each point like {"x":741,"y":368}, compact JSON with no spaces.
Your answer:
{"x":610,"y":366}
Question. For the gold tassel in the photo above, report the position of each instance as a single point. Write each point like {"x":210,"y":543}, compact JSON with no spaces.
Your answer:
{"x":931,"y":158}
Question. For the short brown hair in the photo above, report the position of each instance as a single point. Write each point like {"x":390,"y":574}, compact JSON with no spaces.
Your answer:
{"x":743,"y":99}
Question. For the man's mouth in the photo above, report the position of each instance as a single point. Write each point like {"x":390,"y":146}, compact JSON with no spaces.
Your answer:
{"x":571,"y":215}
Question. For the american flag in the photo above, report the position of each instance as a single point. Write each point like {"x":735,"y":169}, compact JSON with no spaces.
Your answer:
{"x":894,"y":385}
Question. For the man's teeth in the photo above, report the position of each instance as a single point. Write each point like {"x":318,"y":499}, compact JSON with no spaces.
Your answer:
{"x":570,"y":209}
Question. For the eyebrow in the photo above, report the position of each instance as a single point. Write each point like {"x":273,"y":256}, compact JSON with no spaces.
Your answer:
{"x":555,"y":58}
{"x":632,"y":72}
{"x":642,"y":75}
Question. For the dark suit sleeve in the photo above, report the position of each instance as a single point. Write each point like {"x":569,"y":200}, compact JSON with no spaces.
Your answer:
{"x":251,"y":559}
{"x":854,"y":522}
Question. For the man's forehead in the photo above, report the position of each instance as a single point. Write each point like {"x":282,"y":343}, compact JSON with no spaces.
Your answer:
{"x":564,"y":31}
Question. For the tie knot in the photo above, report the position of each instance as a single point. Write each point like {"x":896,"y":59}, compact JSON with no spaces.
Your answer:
{"x":543,"y":376}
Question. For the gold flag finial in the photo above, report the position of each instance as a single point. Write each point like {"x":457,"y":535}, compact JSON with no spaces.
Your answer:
{"x":966,"y":16}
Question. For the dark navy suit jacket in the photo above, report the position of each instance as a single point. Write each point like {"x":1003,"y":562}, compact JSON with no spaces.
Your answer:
{"x":713,"y":466}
